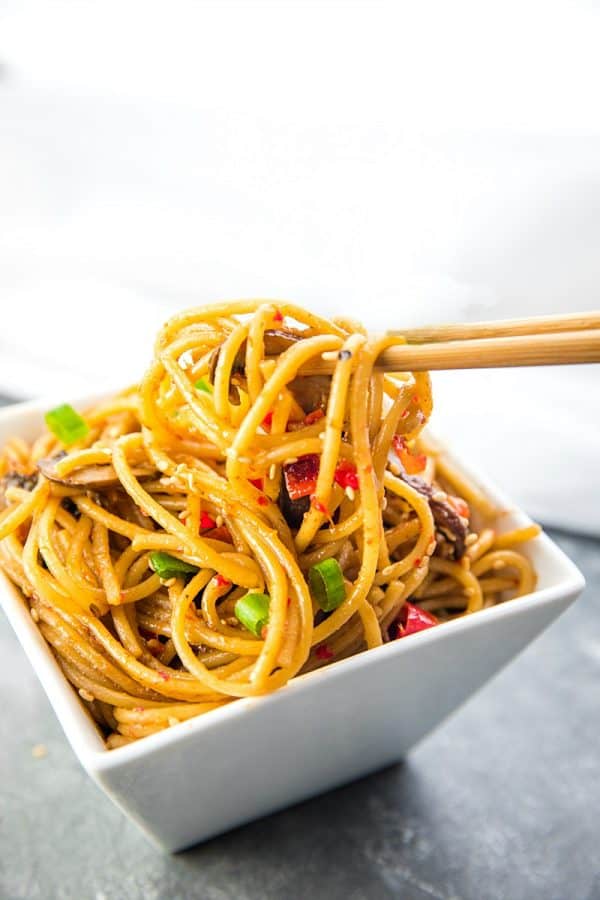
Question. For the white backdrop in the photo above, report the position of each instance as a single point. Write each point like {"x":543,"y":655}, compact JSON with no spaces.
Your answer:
{"x":399,"y":164}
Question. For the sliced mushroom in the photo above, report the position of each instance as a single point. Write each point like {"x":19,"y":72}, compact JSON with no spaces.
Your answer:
{"x":311,"y":391}
{"x":93,"y":477}
{"x":16,"y":479}
{"x":445,"y":516}
{"x":276,"y":343}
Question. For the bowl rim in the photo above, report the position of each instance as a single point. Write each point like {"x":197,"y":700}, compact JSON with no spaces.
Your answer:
{"x":85,"y":738}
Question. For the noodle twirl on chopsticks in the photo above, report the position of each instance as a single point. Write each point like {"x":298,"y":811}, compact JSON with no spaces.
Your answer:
{"x":232,"y":522}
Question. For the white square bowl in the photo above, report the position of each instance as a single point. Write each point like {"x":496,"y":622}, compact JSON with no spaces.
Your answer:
{"x":191,"y":782}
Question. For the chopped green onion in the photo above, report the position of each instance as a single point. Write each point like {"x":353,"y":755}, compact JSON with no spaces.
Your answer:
{"x":203,"y":385}
{"x":167,"y":566}
{"x":326,"y":583}
{"x":252,"y":611}
{"x":66,"y":424}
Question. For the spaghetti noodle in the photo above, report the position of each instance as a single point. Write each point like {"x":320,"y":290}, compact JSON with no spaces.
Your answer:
{"x":233,"y":521}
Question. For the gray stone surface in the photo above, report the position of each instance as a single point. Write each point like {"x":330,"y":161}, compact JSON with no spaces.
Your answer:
{"x":502,"y":803}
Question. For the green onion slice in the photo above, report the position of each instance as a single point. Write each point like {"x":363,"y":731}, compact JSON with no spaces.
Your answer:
{"x":167,"y":566}
{"x":252,"y":611}
{"x":66,"y":424}
{"x":326,"y":583}
{"x":203,"y":385}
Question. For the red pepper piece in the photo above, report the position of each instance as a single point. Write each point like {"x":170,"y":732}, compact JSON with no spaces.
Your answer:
{"x":221,"y":581}
{"x":413,"y":463}
{"x":278,"y":316}
{"x":267,"y":422}
{"x":314,"y":416}
{"x":257,"y":482}
{"x":263,"y":501}
{"x":206,"y":521}
{"x":346,"y":475}
{"x":413,"y":619}
{"x":301,"y":476}
{"x":324,"y":652}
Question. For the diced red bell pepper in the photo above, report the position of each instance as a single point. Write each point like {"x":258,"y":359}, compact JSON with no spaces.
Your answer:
{"x":278,"y":316}
{"x":301,"y":476}
{"x":346,"y":475}
{"x":267,"y":422}
{"x":314,"y":416}
{"x":324,"y":652}
{"x":413,"y":619}
{"x":413,"y":463}
{"x":257,"y":483}
{"x":206,"y":521}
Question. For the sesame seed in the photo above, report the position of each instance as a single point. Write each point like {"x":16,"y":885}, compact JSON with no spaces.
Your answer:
{"x":290,"y":461}
{"x":470,"y":539}
{"x":350,"y":493}
{"x":384,"y":503}
{"x":321,"y":435}
{"x":162,"y":465}
{"x":39,"y":751}
{"x":272,"y":471}
{"x":440,"y":496}
{"x":85,"y":695}
{"x":219,"y":521}
{"x":35,"y":614}
{"x":173,"y":720}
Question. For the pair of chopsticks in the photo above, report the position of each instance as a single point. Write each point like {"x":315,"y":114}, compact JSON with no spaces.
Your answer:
{"x":543,"y":341}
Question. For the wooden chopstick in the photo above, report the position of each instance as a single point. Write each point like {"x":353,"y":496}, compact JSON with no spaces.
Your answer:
{"x":522,"y":349}
{"x":504,"y":328}
{"x":570,"y":347}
